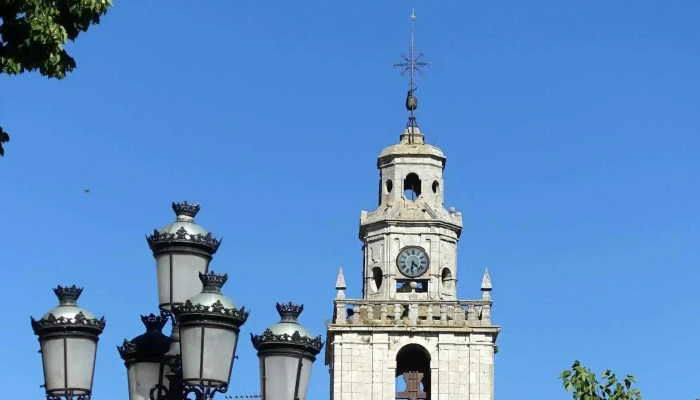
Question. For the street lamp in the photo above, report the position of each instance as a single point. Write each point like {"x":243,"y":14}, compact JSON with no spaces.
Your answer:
{"x":68,"y":337}
{"x":197,"y":358}
{"x":286,"y":351}
{"x":182,"y":250}
{"x":143,"y":357}
{"x":209,"y":325}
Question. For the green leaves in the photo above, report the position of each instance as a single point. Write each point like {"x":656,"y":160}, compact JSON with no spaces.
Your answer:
{"x":33,"y":33}
{"x":583,"y":385}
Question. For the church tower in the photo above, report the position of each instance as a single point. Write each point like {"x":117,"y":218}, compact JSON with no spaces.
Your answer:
{"x":409,"y":337}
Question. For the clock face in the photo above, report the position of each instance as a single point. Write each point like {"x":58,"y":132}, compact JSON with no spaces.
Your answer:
{"x":412,"y":261}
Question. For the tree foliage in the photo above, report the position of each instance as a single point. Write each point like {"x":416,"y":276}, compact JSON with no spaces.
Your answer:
{"x":584,"y":385}
{"x":33,"y":34}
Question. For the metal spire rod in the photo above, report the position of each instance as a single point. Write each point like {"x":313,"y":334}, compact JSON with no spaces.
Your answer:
{"x":413,"y":47}
{"x":412,"y":64}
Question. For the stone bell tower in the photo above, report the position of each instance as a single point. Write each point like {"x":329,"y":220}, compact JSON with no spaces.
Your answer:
{"x":409,"y":337}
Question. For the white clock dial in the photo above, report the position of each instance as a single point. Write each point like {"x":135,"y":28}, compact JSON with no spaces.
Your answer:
{"x":413,"y":261}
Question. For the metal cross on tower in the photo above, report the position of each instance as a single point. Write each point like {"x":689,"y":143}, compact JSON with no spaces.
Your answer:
{"x":412,"y":64}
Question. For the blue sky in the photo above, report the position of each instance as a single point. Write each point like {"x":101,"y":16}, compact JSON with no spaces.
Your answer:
{"x":571,"y":130}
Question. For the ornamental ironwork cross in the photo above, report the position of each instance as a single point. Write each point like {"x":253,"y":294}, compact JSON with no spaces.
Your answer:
{"x":412,"y":64}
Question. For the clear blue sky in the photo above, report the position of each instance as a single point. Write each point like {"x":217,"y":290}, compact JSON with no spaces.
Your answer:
{"x":571,"y":130}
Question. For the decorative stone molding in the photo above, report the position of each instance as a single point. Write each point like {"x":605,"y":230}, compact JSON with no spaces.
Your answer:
{"x":474,"y":313}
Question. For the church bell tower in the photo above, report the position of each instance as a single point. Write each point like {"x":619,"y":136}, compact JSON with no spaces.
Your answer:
{"x":409,"y":337}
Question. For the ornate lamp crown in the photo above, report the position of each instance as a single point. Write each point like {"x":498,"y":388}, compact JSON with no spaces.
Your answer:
{"x":150,"y":346}
{"x":218,"y":309}
{"x":185,"y":209}
{"x":212,"y":282}
{"x":185,"y":212}
{"x":182,"y":235}
{"x":66,"y":323}
{"x":313,"y":345}
{"x":154,"y":322}
{"x":80,"y":321}
{"x":271,"y":340}
{"x":289,"y":311}
{"x":67,"y":294}
{"x":126,"y":349}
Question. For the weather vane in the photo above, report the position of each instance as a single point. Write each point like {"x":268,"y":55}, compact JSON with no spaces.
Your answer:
{"x":412,"y":64}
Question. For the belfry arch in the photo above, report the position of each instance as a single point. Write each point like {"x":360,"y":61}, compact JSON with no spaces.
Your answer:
{"x":413,"y":372}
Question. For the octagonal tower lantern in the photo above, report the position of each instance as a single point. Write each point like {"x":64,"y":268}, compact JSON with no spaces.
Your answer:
{"x":286,"y":351}
{"x":182,"y":251}
{"x":68,"y":337}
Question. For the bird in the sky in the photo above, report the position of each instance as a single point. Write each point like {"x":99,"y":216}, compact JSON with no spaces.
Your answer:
{"x":86,"y":191}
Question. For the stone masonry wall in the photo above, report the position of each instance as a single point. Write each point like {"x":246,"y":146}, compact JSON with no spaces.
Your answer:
{"x":364,"y":364}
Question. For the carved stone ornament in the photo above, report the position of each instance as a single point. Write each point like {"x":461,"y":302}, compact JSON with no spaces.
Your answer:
{"x":268,"y":337}
{"x":217,"y":309}
{"x":183,"y":236}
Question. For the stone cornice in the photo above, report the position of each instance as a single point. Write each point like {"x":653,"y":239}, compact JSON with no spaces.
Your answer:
{"x":364,"y":226}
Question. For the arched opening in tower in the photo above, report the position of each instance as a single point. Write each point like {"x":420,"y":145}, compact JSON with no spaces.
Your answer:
{"x":411,"y":186}
{"x":413,"y":373}
{"x":447,"y":280}
{"x":377,"y":278}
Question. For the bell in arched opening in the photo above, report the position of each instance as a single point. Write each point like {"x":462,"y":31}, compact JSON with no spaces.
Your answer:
{"x":413,"y":368}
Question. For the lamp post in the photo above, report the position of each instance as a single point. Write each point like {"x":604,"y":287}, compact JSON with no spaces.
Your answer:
{"x":182,"y":250}
{"x":143,"y":357}
{"x":68,"y":337}
{"x":196,"y":361}
{"x":209,"y":325}
{"x":286,"y":351}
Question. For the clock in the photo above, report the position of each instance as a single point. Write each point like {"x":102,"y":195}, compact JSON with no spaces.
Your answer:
{"x":412,"y":261}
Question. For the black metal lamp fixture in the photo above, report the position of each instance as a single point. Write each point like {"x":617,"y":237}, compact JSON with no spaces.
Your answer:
{"x":197,"y":359}
{"x":68,"y":337}
{"x":286,"y":351}
{"x":143,"y":357}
